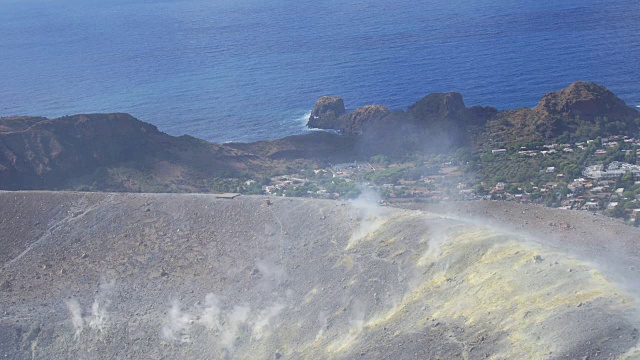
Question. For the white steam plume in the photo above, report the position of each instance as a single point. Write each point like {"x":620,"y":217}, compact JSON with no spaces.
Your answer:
{"x":370,"y":213}
{"x":176,"y":326}
{"x":264,"y":318}
{"x":356,"y":325}
{"x":237,"y":317}
{"x":211,"y":313}
{"x":433,"y":251}
{"x":99,"y":316}
{"x":225,"y":324}
{"x":271,"y":272}
{"x":76,"y":315}
{"x":324,"y":320}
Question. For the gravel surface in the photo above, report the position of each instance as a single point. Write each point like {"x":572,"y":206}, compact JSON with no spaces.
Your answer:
{"x":154,"y":276}
{"x":593,"y":236}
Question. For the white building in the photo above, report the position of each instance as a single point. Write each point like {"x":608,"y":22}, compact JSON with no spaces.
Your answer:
{"x":592,"y":205}
{"x":614,"y":170}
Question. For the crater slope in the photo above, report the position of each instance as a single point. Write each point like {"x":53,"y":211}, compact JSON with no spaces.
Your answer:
{"x":151,"y":276}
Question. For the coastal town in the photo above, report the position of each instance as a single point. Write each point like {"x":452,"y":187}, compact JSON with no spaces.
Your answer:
{"x":597,"y":175}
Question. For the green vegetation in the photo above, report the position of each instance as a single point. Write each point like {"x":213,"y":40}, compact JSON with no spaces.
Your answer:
{"x":387,"y":176}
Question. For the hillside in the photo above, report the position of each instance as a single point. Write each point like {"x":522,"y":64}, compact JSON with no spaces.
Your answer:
{"x":577,"y":112}
{"x":116,"y":152}
{"x":580,"y":111}
{"x":103,"y":276}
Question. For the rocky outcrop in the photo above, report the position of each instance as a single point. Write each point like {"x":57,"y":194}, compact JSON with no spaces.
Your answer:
{"x":98,"y":126}
{"x":438,"y":105}
{"x":482,"y":113}
{"x":580,"y":111}
{"x":50,"y":150}
{"x":449,"y":108}
{"x":104,"y":152}
{"x":325,"y":113}
{"x":434,"y":123}
{"x":444,"y":110}
{"x":587,"y":100}
{"x":116,"y":152}
{"x":362,"y":118}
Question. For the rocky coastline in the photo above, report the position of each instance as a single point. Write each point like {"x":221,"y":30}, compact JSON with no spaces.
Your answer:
{"x":102,"y":151}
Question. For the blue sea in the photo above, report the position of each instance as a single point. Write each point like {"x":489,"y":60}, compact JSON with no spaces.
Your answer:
{"x":245,"y":70}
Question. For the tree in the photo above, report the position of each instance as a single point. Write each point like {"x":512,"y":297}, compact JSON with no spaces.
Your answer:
{"x":598,"y":142}
{"x":548,"y":200}
{"x":618,"y":211}
{"x":571,"y":171}
{"x":412,"y":174}
{"x":631,"y":156}
{"x":480,"y":190}
{"x":565,"y":137}
{"x":380,"y":159}
{"x":513,"y":189}
{"x":625,"y":181}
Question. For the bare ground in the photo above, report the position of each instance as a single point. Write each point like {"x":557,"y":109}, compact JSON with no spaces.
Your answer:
{"x":151,"y":276}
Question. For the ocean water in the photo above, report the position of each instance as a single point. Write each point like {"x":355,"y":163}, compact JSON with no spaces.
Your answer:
{"x":245,"y":70}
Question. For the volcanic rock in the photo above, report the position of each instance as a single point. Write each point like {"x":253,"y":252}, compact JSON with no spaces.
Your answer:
{"x":40,"y":153}
{"x":357,"y":121}
{"x":383,"y":282}
{"x":116,"y":152}
{"x":325,"y":113}
{"x":581,"y":110}
{"x":438,"y":105}
{"x":587,"y":100}
{"x":6,"y":285}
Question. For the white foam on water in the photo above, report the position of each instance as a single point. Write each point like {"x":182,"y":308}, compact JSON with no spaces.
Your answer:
{"x":302,"y":122}
{"x":304,"y":118}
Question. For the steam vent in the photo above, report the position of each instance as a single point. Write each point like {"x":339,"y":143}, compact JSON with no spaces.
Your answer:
{"x":166,"y":276}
